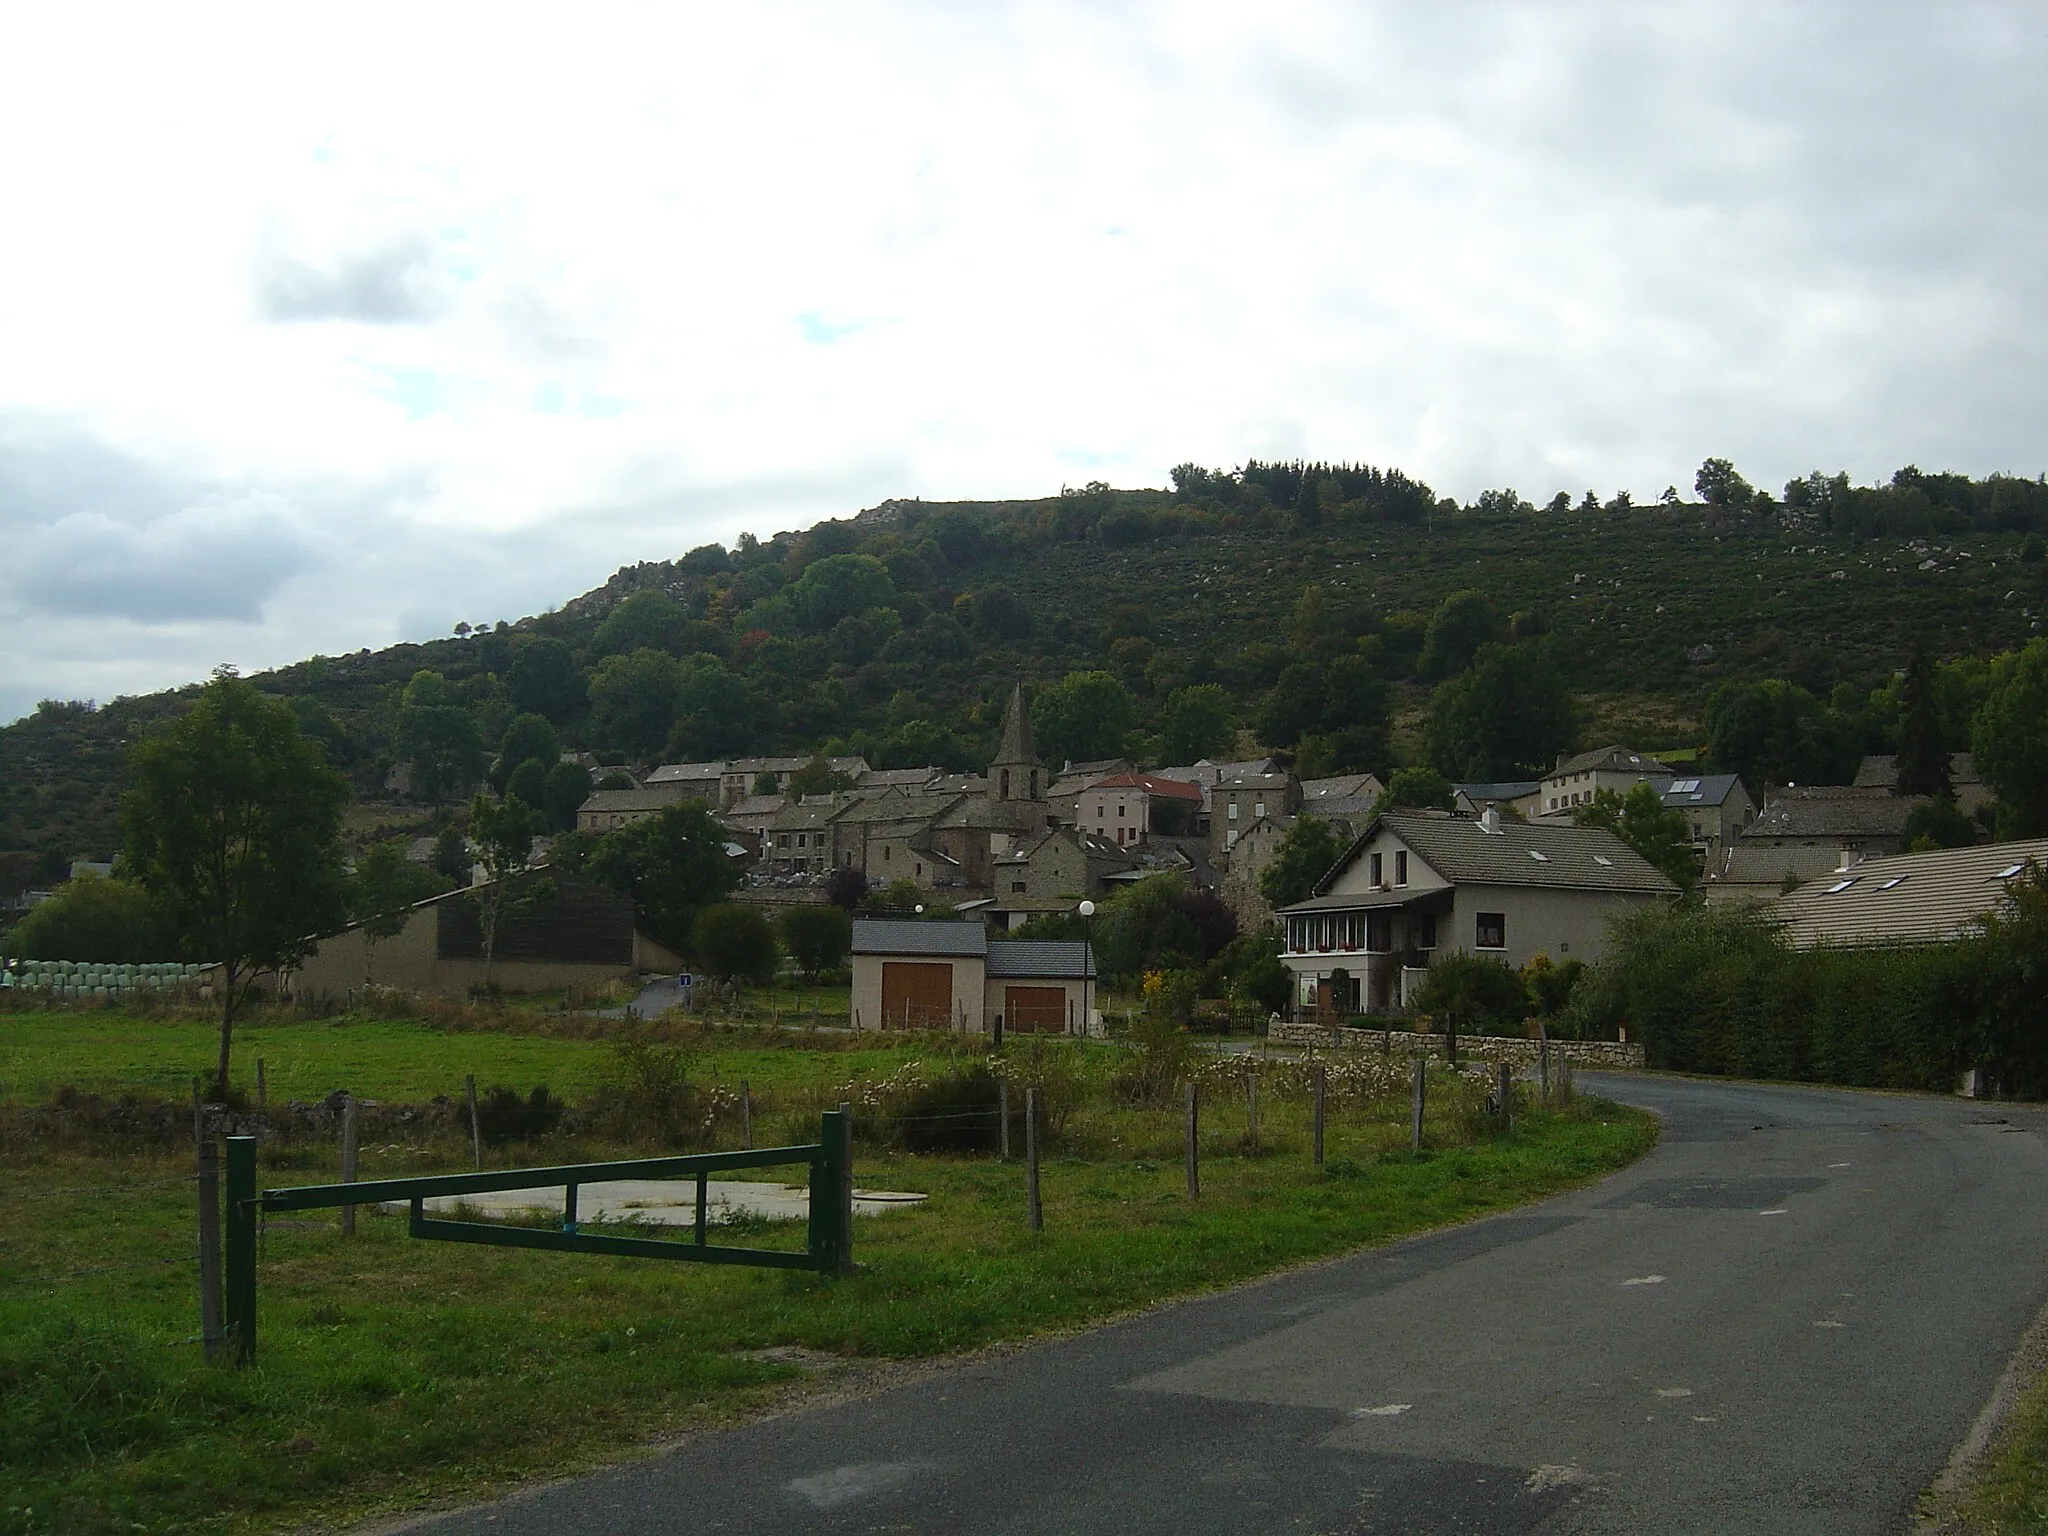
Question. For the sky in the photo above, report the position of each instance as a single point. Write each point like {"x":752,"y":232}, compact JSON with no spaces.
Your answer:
{"x":329,"y":327}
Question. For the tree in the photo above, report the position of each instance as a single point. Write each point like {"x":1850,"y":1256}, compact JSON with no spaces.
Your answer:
{"x":90,"y":917}
{"x":1473,"y":991}
{"x":1776,"y":732}
{"x":633,"y":701}
{"x":1660,"y":833}
{"x":1197,"y":722}
{"x":529,"y":782}
{"x":846,"y":887}
{"x":1160,"y":923}
{"x":817,"y":777}
{"x":567,"y":787}
{"x":1719,"y":485}
{"x":2010,"y":741}
{"x":734,"y":943}
{"x":1463,"y":622}
{"x":1937,"y":823}
{"x":1505,"y":719}
{"x":1923,"y":753}
{"x":543,"y":680}
{"x":1420,"y":788}
{"x":528,"y":739}
{"x":645,"y":620}
{"x":438,"y":736}
{"x":502,"y":831}
{"x":838,"y":587}
{"x":384,"y":889}
{"x":234,"y":827}
{"x":1083,"y":717}
{"x":817,"y":938}
{"x":1307,"y":849}
{"x":717,"y":714}
{"x":671,"y":864}
{"x":451,"y":856}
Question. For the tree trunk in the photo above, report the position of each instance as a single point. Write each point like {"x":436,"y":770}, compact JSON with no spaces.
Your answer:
{"x":227,"y":1026}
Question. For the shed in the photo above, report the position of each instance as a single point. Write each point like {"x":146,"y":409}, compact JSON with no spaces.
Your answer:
{"x":952,"y":976}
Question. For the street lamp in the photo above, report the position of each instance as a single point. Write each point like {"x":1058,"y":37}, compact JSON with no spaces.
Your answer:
{"x":1087,"y":911}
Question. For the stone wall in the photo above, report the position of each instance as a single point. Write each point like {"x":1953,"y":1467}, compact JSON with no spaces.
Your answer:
{"x":1583,"y":1053}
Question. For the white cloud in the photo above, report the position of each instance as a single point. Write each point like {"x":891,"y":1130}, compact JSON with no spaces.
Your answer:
{"x":458,"y":308}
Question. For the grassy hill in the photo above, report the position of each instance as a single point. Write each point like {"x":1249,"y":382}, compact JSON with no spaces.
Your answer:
{"x":1647,"y":609}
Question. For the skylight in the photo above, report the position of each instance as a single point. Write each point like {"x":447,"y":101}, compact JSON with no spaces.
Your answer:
{"x":1842,"y":885}
{"x":1685,"y":786}
{"x":1895,"y":880}
{"x":2009,"y":871}
{"x":1601,"y":858}
{"x":1540,"y":858}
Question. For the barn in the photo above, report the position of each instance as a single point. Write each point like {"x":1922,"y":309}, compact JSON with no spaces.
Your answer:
{"x":953,"y":976}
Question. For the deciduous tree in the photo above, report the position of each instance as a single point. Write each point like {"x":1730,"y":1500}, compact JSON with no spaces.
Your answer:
{"x":1307,"y":849}
{"x":234,"y":827}
{"x":671,"y":864}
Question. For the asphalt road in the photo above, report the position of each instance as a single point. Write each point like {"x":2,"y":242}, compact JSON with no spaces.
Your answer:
{"x":1783,"y":1319}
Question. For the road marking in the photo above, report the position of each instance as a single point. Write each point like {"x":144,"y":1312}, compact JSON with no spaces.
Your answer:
{"x":1645,"y":1280}
{"x":1828,"y":1322}
{"x":1778,"y":1212}
{"x":1384,"y":1411}
{"x":1674,"y":1391}
{"x":1838,"y":1165}
{"x":849,"y":1485}
{"x":1706,"y":1418}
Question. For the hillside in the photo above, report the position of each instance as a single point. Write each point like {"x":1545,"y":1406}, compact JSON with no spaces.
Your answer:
{"x":903,"y":646}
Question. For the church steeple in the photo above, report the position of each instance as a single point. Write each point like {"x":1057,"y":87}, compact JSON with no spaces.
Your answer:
{"x":1016,"y":773}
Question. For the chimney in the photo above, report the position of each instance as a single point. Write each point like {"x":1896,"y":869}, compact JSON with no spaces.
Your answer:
{"x":1489,"y":819}
{"x":1849,"y":861}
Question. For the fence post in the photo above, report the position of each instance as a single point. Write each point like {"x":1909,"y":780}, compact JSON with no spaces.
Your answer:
{"x":1003,"y":1114}
{"x":1251,"y":1107}
{"x":1322,"y":1081}
{"x":1543,"y":1064}
{"x":476,"y":1135}
{"x":746,"y":1115}
{"x":1506,"y":1075}
{"x":241,"y":1245}
{"x":348,"y":1161}
{"x":842,"y":1193}
{"x":262,"y":1088}
{"x":1034,"y":1209}
{"x":209,"y":1249}
{"x":1194,"y":1154}
{"x":1415,"y":1128}
{"x":198,"y":1116}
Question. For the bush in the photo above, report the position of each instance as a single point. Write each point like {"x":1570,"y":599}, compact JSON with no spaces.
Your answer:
{"x":734,"y":943}
{"x":503,"y":1116}
{"x":954,"y":1113}
{"x":652,"y":1098}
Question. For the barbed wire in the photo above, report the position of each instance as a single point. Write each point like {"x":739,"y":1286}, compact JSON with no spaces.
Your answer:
{"x":103,"y":1189}
{"x":98,"y":1269}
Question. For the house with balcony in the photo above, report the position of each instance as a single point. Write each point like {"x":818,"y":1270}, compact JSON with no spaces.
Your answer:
{"x":1419,"y":884}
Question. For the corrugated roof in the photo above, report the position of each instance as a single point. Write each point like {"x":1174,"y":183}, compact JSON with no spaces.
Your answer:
{"x":1909,"y":898}
{"x":1522,"y":853}
{"x":898,"y":936}
{"x":1017,"y":958}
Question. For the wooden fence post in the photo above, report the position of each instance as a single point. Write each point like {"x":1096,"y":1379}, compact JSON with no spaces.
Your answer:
{"x":476,"y":1133}
{"x":1251,"y":1107}
{"x":1035,"y":1210}
{"x":210,"y":1331}
{"x":1322,"y":1082}
{"x":1506,"y":1090}
{"x":240,"y":1280}
{"x":348,"y":1161}
{"x":1415,"y":1128}
{"x":1194,"y":1154}
{"x":198,"y":1116}
{"x":1003,"y":1114}
{"x":262,"y":1088}
{"x":845,"y":1190}
{"x":746,"y":1115}
{"x":1542,"y":1064}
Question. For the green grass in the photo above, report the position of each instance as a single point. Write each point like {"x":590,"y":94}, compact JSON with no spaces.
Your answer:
{"x":2011,"y":1499}
{"x":396,"y":1374}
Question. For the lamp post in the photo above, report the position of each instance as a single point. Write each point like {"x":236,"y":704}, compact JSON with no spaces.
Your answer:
{"x":1087,"y":911}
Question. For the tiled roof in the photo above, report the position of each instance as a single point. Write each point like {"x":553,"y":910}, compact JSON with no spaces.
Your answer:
{"x":628,"y":800}
{"x":1761,"y":864}
{"x":676,"y":773}
{"x":1610,"y":760}
{"x":1910,"y":898}
{"x":1345,"y":786}
{"x":896,"y":936}
{"x":1019,"y":958}
{"x":1521,"y":853}
{"x":1831,"y":810}
{"x":1880,"y":770}
{"x":1152,"y":784}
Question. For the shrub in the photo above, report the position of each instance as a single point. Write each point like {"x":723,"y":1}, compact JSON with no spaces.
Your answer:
{"x":954,"y":1113}
{"x":502,"y":1115}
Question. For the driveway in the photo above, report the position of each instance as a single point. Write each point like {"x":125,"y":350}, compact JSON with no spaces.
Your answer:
{"x":1782,"y":1320}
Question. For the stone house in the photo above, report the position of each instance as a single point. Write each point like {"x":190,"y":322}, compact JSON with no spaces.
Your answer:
{"x":1125,"y":808}
{"x":1054,"y":873}
{"x":1575,"y":780}
{"x":1419,"y":884}
{"x":1234,"y":804}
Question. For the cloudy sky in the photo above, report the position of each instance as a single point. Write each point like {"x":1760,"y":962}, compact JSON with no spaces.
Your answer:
{"x":327,"y":327}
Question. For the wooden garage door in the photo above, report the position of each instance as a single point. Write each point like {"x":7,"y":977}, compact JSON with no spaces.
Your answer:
{"x":916,"y":996}
{"x":1035,"y":1010}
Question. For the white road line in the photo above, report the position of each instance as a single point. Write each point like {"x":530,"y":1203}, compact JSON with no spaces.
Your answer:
{"x":1645,"y":1280}
{"x":1385,"y":1411}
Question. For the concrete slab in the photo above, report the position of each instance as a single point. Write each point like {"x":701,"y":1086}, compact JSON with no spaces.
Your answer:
{"x":665,"y":1202}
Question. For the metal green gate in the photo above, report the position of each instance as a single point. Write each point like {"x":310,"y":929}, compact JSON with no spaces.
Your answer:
{"x":828,"y":1251}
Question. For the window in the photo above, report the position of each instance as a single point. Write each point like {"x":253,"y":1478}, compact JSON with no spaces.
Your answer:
{"x":1233,"y":810}
{"x":1427,"y":938}
{"x":1119,"y":810}
{"x":1017,"y":887}
{"x":1492,"y":931}
{"x":1231,"y":841}
{"x":1601,"y":858}
{"x":1258,"y":810}
{"x":1540,"y":858}
{"x":1401,"y":866}
{"x":1378,"y":873}
{"x":1895,"y":880}
{"x":2009,"y":871}
{"x":1842,"y":885}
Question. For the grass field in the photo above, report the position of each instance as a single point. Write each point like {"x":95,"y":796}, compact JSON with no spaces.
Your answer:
{"x":398,"y":1374}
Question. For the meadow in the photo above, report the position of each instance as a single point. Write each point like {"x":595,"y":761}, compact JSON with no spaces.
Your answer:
{"x":397,"y":1374}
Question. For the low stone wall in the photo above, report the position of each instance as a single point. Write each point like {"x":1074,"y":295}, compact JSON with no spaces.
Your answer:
{"x":1583,"y":1053}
